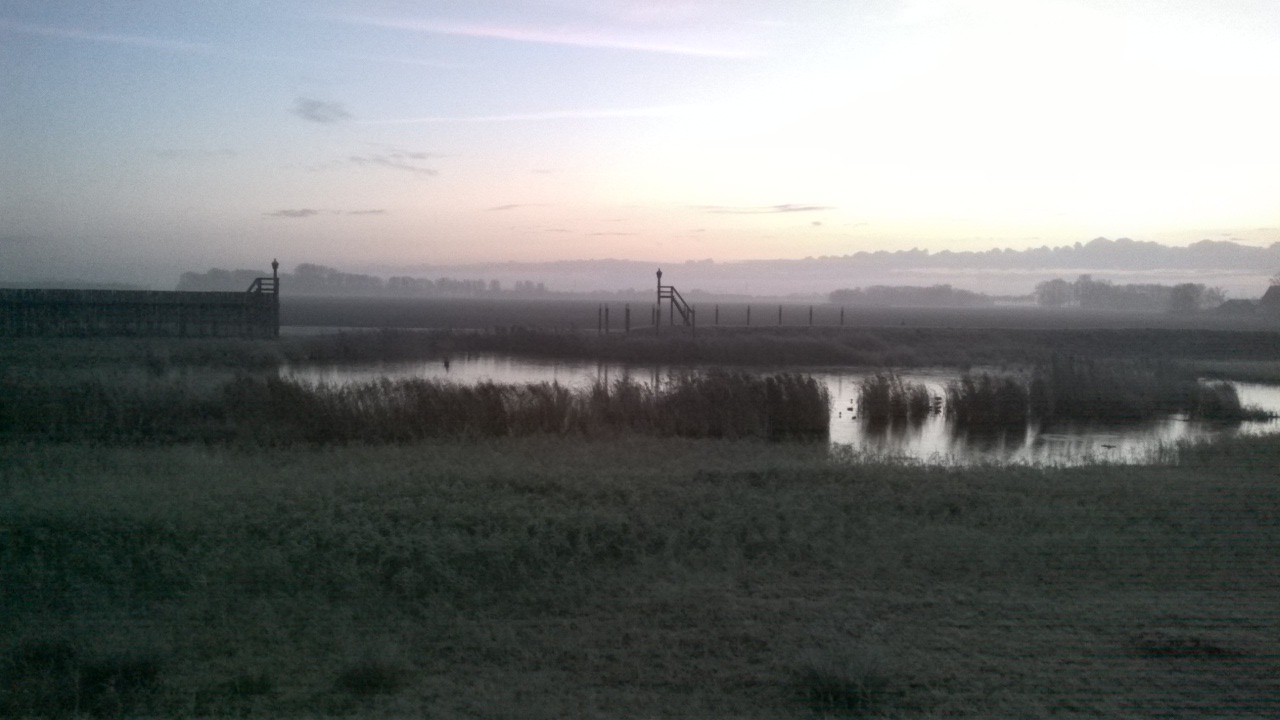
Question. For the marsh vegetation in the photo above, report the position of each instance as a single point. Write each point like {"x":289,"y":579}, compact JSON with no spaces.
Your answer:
{"x":273,"y":411}
{"x":1074,"y":389}
{"x":183,"y":538}
{"x":886,"y":398}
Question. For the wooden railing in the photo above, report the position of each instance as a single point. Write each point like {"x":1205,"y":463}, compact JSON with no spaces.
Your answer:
{"x":265,"y":285}
{"x":678,"y":304}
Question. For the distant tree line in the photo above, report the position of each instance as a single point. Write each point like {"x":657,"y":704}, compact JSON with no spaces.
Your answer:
{"x":1092,"y":294}
{"x":1100,"y":253}
{"x":909,"y":295}
{"x":311,"y":279}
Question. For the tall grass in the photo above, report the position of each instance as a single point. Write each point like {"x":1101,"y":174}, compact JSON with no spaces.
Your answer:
{"x":885,"y":398}
{"x":985,"y":400}
{"x":271,"y":410}
{"x":1068,"y":388}
{"x":1077,"y":388}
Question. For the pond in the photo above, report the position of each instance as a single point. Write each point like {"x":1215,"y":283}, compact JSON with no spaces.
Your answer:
{"x":936,"y":439}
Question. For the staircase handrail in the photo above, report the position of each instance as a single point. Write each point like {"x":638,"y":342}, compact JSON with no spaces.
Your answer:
{"x":267,"y":285}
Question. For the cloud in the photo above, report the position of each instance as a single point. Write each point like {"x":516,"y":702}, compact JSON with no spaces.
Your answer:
{"x":513,"y":206}
{"x":762,"y":209}
{"x":394,"y":161}
{"x":585,"y":114}
{"x":187,"y":154}
{"x":321,"y":111}
{"x":401,"y":60}
{"x":611,"y":234}
{"x":309,"y":212}
{"x":595,"y":38}
{"x":112,"y":38}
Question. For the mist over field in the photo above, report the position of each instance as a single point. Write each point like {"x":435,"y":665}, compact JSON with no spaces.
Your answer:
{"x":1228,"y":269}
{"x":1241,"y":270}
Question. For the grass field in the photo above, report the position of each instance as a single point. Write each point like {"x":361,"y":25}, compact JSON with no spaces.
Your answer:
{"x":541,"y":578}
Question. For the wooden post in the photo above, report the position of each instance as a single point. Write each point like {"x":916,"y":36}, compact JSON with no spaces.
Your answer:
{"x":841,"y":316}
{"x":748,"y":316}
{"x":627,"y":318}
{"x":606,"y":319}
{"x":717,"y":315}
{"x":275,"y":301}
{"x":779,"y":315}
{"x":810,"y":316}
{"x":599,"y":319}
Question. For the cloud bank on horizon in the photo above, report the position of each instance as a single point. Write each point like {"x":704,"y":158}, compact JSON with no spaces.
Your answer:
{"x":148,"y":135}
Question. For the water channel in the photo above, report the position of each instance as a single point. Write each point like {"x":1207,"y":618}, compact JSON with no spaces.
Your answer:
{"x":936,"y":439}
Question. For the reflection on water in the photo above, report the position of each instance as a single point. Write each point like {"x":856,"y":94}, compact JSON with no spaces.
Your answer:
{"x":933,"y":439}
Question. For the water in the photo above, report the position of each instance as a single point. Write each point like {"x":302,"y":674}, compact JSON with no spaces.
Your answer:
{"x":935,"y":439}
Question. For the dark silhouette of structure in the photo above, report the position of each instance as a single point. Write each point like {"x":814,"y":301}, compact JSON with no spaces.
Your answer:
{"x":254,"y":313}
{"x":677,"y":302}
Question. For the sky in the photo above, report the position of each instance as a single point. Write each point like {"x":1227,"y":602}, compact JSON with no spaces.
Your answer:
{"x":142,"y":138}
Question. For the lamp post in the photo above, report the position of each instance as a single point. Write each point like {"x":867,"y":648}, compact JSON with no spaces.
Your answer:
{"x":657,"y":310}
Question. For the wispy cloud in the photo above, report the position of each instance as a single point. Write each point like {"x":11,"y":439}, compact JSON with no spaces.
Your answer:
{"x":513,"y":206}
{"x":599,"y":38}
{"x":587,"y":114}
{"x":113,"y":38}
{"x":761,"y":209}
{"x":320,"y":111}
{"x":311,"y":212}
{"x":189,"y":154}
{"x":400,"y":60}
{"x":395,"y":161}
{"x":209,"y":48}
{"x":299,"y":213}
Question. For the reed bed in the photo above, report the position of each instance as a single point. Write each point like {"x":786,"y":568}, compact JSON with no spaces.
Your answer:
{"x":1069,"y":388}
{"x":886,"y":398}
{"x":985,"y":400}
{"x":270,"y":410}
